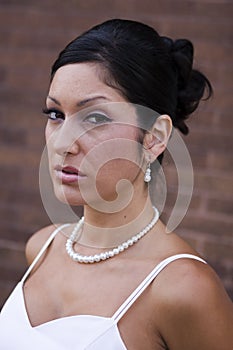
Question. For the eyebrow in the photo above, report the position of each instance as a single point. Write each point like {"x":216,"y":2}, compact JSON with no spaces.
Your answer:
{"x":82,"y":102}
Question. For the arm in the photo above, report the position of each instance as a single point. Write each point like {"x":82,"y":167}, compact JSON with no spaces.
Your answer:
{"x":197,"y":314}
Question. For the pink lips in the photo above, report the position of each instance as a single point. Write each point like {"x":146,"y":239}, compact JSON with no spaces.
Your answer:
{"x":68,"y":174}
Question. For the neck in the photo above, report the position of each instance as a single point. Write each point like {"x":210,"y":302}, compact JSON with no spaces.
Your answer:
{"x":106,"y":230}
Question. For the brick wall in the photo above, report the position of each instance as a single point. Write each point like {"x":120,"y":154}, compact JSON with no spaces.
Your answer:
{"x":31,"y":35}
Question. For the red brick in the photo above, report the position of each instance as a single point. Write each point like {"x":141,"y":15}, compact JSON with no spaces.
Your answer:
{"x":217,"y":184}
{"x":217,"y":252}
{"x":6,"y":288}
{"x":220,"y":205}
{"x":219,"y":225}
{"x":220,"y":161}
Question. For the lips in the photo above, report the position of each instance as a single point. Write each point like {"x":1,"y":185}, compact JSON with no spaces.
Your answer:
{"x":68,"y":174}
{"x":70,"y":170}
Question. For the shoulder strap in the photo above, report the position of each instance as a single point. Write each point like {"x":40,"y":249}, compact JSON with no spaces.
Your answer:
{"x":146,"y":282}
{"x":41,"y":252}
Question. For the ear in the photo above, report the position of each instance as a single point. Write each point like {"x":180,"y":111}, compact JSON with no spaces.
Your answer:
{"x":155,"y":140}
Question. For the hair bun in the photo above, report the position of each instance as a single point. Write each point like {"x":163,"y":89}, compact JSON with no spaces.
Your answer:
{"x":182,"y":54}
{"x":191,"y":84}
{"x":181,"y":51}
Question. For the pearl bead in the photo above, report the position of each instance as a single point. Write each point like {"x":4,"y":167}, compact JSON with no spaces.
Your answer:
{"x":147,"y":178}
{"x":103,"y":256}
{"x":91,"y":260}
{"x":96,"y":258}
{"x":130,"y":242}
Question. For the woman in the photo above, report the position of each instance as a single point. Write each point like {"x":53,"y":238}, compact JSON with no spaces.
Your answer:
{"x":116,"y":280}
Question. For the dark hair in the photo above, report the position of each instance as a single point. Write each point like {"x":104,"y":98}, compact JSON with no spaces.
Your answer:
{"x":148,"y":69}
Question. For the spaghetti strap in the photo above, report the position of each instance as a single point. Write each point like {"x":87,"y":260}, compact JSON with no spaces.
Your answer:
{"x":146,"y":282}
{"x":41,"y":252}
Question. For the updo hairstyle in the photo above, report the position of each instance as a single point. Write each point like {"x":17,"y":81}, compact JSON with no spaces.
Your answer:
{"x":148,"y":69}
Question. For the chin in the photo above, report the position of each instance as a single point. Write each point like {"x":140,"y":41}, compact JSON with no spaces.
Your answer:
{"x":69,"y":196}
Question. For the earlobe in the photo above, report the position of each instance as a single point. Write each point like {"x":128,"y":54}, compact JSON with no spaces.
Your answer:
{"x":155,"y":141}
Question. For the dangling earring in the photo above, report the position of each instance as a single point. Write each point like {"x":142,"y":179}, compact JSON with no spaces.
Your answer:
{"x":147,"y":176}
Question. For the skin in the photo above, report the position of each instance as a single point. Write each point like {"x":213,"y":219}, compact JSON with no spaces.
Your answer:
{"x":186,"y":307}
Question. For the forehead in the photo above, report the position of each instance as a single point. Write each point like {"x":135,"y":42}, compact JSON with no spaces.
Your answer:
{"x":82,"y":80}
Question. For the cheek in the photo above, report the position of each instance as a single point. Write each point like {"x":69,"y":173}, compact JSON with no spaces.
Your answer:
{"x":48,"y":133}
{"x":117,"y":151}
{"x":118,"y":169}
{"x":108,"y":180}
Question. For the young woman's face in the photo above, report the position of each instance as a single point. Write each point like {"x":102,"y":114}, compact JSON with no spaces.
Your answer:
{"x":92,"y":137}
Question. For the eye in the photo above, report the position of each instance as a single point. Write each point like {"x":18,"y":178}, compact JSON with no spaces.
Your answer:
{"x":53,"y":114}
{"x":97,"y":118}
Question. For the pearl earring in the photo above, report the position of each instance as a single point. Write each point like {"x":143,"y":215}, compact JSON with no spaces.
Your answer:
{"x":147,"y":176}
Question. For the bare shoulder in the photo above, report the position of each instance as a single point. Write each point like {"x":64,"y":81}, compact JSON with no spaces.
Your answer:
{"x":191,"y":281}
{"x":36,"y":242}
{"x":195,"y":310}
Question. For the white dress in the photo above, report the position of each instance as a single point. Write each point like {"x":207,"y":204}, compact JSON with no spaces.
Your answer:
{"x":73,"y":332}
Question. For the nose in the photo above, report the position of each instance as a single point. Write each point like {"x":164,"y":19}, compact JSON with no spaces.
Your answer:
{"x":65,"y":139}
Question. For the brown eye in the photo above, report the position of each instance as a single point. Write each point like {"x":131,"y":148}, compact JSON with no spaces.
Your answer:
{"x":53,"y":114}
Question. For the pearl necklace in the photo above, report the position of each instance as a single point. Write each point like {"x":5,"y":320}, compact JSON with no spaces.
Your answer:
{"x":110,"y":253}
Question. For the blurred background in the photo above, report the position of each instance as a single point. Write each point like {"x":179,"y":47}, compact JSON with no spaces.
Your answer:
{"x":31,"y":35}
